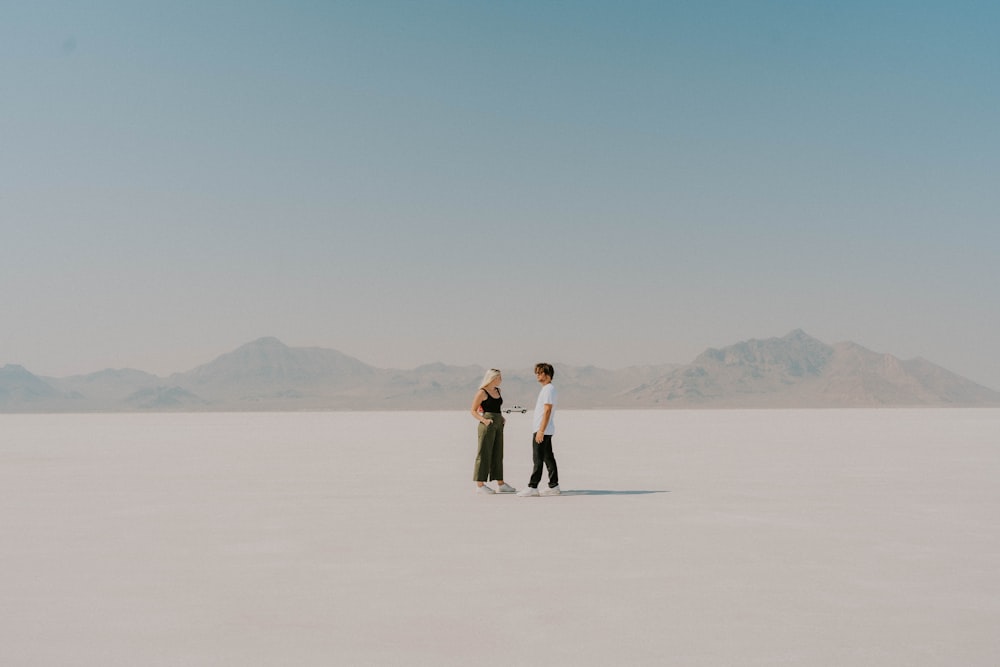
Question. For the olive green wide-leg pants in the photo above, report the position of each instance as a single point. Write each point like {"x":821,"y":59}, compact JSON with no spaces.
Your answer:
{"x":489,"y":458}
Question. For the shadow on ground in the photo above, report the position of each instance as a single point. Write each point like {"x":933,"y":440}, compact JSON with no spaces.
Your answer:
{"x":602,"y":492}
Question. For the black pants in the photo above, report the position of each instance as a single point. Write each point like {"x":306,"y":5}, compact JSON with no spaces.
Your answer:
{"x":542,"y":453}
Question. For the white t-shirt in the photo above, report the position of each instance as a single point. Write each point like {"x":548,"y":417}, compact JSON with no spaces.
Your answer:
{"x":546,"y":396}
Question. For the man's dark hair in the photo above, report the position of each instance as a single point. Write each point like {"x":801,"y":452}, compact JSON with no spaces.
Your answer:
{"x":546,"y":369}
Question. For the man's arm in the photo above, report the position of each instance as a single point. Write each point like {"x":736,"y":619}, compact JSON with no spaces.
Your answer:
{"x":546,"y":415}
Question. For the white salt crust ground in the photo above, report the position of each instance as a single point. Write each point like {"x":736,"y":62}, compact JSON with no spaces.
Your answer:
{"x":868,"y":537}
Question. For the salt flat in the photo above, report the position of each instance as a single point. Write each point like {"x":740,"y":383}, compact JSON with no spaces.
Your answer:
{"x":841,"y":537}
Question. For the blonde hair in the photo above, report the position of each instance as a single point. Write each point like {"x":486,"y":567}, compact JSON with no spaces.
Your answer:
{"x":489,"y":377}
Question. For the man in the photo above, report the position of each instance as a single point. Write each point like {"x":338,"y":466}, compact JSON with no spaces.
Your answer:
{"x":541,"y":443}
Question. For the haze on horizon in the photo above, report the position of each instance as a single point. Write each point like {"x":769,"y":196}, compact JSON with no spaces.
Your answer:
{"x":497,"y":183}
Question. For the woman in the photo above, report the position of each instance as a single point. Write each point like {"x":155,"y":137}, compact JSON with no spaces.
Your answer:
{"x":489,"y":459}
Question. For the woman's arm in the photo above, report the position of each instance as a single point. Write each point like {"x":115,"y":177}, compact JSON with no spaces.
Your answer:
{"x":479,"y":398}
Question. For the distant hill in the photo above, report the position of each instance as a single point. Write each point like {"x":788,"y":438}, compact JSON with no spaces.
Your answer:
{"x":795,"y":371}
{"x":105,"y":386}
{"x":800,"y":371}
{"x":21,"y":389}
{"x":267,"y":362}
{"x":164,"y":399}
{"x":268,"y":372}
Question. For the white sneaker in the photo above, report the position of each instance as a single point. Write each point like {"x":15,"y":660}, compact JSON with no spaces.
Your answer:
{"x":484,"y":491}
{"x":506,"y":488}
{"x":554,"y":491}
{"x":527,"y":492}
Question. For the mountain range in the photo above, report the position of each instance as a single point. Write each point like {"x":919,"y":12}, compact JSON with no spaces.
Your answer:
{"x":794,"y":371}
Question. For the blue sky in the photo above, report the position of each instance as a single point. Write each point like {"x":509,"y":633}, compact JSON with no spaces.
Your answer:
{"x":611,"y":183}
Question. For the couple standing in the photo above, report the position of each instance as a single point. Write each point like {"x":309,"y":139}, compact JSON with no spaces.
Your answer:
{"x":489,"y":458}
